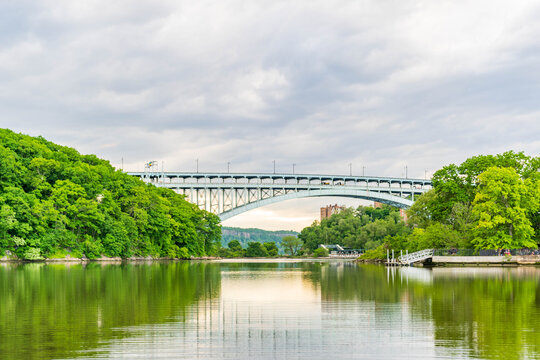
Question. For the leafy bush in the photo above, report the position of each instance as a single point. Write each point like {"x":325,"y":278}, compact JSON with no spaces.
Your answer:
{"x":271,"y":248}
{"x":32,"y":254}
{"x":183,"y":253}
{"x":256,"y":249}
{"x":378,"y":253}
{"x":320,"y":252}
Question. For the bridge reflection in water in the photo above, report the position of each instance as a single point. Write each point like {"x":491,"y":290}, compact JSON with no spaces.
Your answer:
{"x":230,"y":194}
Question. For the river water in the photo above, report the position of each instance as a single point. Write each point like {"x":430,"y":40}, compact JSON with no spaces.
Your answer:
{"x":274,"y":310}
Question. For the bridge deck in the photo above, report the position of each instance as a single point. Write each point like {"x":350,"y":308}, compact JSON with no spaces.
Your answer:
{"x":297,"y":178}
{"x":229,"y":194}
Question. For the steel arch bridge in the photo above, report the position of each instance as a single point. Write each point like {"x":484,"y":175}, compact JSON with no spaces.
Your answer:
{"x":230,"y":194}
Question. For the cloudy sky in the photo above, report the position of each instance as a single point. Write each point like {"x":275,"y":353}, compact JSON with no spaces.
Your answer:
{"x":380,"y":84}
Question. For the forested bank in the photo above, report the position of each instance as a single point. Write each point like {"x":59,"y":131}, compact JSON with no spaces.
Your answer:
{"x":245,"y":236}
{"x":487,"y":202}
{"x":289,"y":245}
{"x":56,"y":202}
{"x":362,"y":228}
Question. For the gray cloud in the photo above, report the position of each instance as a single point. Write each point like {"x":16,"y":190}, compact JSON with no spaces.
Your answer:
{"x":318,"y":83}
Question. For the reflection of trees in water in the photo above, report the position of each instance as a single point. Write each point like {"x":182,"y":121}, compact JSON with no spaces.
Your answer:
{"x":495,"y":312}
{"x":348,"y":281}
{"x":54,"y":310}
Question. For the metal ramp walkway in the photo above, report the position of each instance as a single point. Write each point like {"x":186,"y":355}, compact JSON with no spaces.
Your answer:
{"x":416,"y":256}
{"x":411,"y":258}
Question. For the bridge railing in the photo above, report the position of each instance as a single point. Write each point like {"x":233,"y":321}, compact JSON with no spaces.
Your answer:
{"x":416,"y":256}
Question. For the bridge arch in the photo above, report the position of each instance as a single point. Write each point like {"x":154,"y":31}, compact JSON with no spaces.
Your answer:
{"x":350,"y":193}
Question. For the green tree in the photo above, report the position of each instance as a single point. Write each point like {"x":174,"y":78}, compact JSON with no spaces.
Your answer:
{"x":291,"y":244}
{"x":420,"y":214}
{"x":7,"y":222}
{"x":320,"y":252}
{"x":364,"y":227}
{"x":256,"y":249}
{"x":234,"y":245}
{"x":271,"y":248}
{"x":435,"y":236}
{"x":457,"y":184}
{"x":234,"y":249}
{"x":501,"y":206}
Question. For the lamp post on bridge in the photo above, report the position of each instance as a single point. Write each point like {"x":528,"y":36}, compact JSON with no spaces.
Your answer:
{"x":197,"y":165}
{"x":350,"y":169}
{"x":274,"y":162}
{"x":228,"y":167}
{"x":363,"y":170}
{"x":293,"y":165}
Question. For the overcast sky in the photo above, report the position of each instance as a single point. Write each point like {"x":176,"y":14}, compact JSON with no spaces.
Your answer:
{"x":321,"y":84}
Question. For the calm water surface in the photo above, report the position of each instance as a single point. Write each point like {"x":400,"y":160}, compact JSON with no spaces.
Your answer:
{"x":267,"y":310}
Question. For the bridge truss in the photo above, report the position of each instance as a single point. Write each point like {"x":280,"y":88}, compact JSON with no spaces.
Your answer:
{"x":230,"y":194}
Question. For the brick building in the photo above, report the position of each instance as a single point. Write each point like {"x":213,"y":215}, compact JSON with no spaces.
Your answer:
{"x":330,"y":210}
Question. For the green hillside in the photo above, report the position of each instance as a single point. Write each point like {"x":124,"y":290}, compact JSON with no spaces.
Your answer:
{"x":244,"y":236}
{"x":55,"y":201}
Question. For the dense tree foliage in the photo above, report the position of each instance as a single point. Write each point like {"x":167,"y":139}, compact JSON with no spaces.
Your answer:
{"x":244,"y":236}
{"x":487,"y":202}
{"x":502,"y":205}
{"x":292,"y":245}
{"x":55,"y":201}
{"x":361,"y":228}
{"x":256,"y":249}
{"x":253,"y":249}
{"x":455,"y":184}
{"x":271,"y":248}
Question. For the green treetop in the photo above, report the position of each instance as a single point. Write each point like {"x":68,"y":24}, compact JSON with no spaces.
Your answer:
{"x":291,"y":244}
{"x":55,"y":201}
{"x":502,"y":205}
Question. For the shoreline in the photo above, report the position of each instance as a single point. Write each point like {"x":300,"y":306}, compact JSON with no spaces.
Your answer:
{"x":470,"y":261}
{"x":71,"y":260}
{"x":436,"y":261}
{"x":517,"y":260}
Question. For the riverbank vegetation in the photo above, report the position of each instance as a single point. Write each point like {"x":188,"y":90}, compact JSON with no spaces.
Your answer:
{"x":234,"y":249}
{"x":362,"y":228}
{"x":487,"y":202}
{"x":56,"y":202}
{"x":292,"y":246}
{"x":244,"y":236}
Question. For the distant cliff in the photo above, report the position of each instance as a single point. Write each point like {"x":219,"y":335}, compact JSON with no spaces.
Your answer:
{"x":246,"y":235}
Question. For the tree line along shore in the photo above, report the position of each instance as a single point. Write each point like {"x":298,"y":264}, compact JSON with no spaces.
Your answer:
{"x":56,"y":203}
{"x":487,"y":202}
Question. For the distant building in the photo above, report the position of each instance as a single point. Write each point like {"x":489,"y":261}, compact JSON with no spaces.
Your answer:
{"x":330,"y":210}
{"x":403,"y":214}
